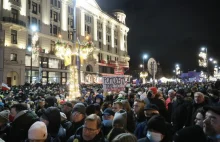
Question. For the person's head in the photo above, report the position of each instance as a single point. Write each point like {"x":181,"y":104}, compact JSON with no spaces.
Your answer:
{"x":180,"y":94}
{"x":150,"y":110}
{"x":138,"y":105}
{"x":4,"y":117}
{"x":120,"y":119}
{"x":79,"y":111}
{"x":16,"y":108}
{"x":52,"y":119}
{"x":114,"y":132}
{"x":157,"y":128}
{"x":190,"y":134}
{"x":117,"y":106}
{"x":171,"y":94}
{"x":199,"y":97}
{"x":41,"y":102}
{"x":153,"y":91}
{"x":67,"y":107}
{"x":37,"y":132}
{"x":108,"y":114}
{"x":125,"y":137}
{"x":211,"y":123}
{"x":126,"y":105}
{"x":200,"y":116}
{"x":91,"y":127}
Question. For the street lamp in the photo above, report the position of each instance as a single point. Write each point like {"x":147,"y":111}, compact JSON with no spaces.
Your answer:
{"x":215,"y":62}
{"x":144,"y":57}
{"x":141,"y":65}
{"x":211,"y":59}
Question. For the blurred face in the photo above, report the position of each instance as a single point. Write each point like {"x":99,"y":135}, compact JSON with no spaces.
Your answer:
{"x":198,"y":98}
{"x":76,"y":116}
{"x":199,"y":120}
{"x":13,"y":112}
{"x":171,"y":95}
{"x":45,"y":121}
{"x":137,"y":106}
{"x":98,"y":100}
{"x":66,"y":109}
{"x":211,"y":124}
{"x":116,"y":107}
{"x":41,"y":103}
{"x":108,"y":117}
{"x":90,"y":130}
{"x":150,"y":113}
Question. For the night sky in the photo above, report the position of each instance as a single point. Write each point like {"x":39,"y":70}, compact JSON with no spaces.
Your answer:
{"x":171,"y":31}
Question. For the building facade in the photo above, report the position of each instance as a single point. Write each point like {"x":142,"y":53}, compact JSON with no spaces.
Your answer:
{"x":54,"y":21}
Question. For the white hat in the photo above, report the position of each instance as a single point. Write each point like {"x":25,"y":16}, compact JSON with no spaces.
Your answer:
{"x":37,"y":131}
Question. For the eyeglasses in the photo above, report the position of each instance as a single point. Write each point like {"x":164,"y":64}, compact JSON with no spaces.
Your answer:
{"x":90,"y":130}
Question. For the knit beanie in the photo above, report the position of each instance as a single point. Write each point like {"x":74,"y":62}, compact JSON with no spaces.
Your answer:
{"x":79,"y":107}
{"x":157,"y":123}
{"x":4,"y":116}
{"x":120,"y":119}
{"x":190,"y":134}
{"x":37,"y":131}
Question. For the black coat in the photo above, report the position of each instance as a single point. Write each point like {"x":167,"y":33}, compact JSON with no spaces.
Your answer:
{"x":78,"y":136}
{"x":4,"y":132}
{"x":21,"y":125}
{"x":74,"y":126}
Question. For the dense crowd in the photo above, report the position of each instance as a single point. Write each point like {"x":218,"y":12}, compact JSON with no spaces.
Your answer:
{"x":172,"y":112}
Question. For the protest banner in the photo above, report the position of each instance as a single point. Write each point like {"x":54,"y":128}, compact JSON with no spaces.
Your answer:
{"x":114,"y":83}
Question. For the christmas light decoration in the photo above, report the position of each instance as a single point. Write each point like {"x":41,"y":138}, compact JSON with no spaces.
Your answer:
{"x":35,"y":48}
{"x":202,"y":59}
{"x":74,"y":91}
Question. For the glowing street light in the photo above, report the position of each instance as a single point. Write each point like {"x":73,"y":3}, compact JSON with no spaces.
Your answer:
{"x":34,"y":28}
{"x":141,"y":65}
{"x":144,"y":57}
{"x":215,"y":62}
{"x":29,"y":49}
{"x":211,"y":59}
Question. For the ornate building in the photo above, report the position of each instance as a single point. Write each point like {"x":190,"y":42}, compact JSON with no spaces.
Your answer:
{"x":54,"y":22}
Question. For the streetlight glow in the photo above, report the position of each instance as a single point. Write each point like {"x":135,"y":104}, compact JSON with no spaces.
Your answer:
{"x":203,"y":48}
{"x":211,"y":59}
{"x":214,"y":62}
{"x":34,"y":28}
{"x":29,"y":49}
{"x":141,"y":65}
{"x":145,"y":56}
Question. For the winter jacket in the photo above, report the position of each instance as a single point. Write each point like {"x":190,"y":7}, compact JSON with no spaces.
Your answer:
{"x":74,"y":126}
{"x":21,"y":124}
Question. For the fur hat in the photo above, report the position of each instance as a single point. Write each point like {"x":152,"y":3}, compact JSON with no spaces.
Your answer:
{"x":4,"y":116}
{"x":37,"y":131}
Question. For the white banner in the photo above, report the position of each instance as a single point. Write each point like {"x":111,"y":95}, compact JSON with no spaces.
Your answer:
{"x":114,"y":83}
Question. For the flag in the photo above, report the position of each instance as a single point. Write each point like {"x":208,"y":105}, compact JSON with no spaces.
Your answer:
{"x":5,"y":87}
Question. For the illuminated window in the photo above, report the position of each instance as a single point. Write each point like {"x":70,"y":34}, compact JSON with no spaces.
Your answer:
{"x":13,"y":36}
{"x":13,"y":57}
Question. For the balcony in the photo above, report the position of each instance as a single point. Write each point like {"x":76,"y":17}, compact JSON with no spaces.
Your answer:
{"x":15,"y":21}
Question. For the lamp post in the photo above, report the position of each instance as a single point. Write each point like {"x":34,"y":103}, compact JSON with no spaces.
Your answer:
{"x":144,"y":57}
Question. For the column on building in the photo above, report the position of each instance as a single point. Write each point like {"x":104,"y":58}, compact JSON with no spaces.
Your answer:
{"x":23,"y":11}
{"x":95,"y":28}
{"x":46,"y":12}
{"x":64,"y":16}
{"x":121,"y":37}
{"x":104,"y":32}
{"x":82,"y":22}
{"x":112,"y":36}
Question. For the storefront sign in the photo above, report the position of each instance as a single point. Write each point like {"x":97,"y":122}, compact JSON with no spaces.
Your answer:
{"x":114,"y":83}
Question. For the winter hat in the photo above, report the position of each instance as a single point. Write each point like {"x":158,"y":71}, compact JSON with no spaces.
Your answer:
{"x":90,"y":109}
{"x":4,"y":116}
{"x":37,"y":131}
{"x":181,"y":92}
{"x":108,"y":111}
{"x":79,"y":107}
{"x":120,"y":119}
{"x":153,"y":89}
{"x":157,"y":123}
{"x":151,"y":107}
{"x":190,"y":134}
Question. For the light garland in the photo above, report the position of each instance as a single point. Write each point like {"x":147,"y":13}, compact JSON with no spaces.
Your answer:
{"x":86,"y":49}
{"x":203,"y":59}
{"x":35,"y":48}
{"x":73,"y":84}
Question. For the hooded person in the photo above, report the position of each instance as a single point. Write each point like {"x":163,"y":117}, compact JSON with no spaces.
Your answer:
{"x":51,"y":117}
{"x":4,"y":125}
{"x":50,"y":102}
{"x":190,"y":134}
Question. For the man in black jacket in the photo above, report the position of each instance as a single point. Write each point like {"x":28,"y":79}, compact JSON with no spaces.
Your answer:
{"x":90,"y":131}
{"x":22,"y":122}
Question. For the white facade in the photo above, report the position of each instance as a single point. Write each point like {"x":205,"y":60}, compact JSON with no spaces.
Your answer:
{"x":54,"y":20}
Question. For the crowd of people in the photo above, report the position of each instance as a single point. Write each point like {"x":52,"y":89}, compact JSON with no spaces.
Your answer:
{"x":172,"y":112}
